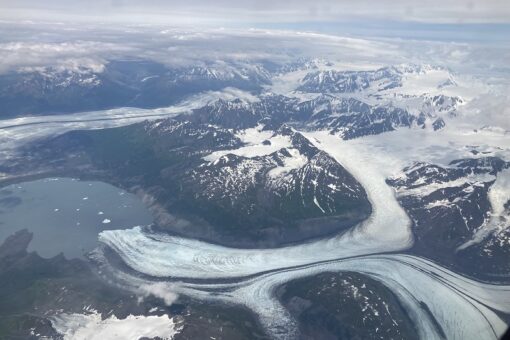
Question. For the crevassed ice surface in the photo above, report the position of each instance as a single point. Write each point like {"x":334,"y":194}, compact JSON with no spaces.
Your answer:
{"x":387,"y":229}
{"x":464,"y":308}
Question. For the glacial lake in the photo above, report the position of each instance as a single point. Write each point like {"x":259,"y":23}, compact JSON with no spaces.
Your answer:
{"x":66,"y":215}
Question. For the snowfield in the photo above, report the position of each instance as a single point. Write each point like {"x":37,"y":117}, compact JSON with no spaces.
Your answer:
{"x":254,"y":146}
{"x":92,"y":327}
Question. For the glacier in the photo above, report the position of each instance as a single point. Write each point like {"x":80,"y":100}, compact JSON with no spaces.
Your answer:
{"x":462,"y":307}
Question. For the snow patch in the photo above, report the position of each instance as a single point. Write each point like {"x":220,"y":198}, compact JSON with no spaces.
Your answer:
{"x":93,"y":327}
{"x":499,"y":195}
{"x":253,"y":139}
{"x":295,"y":161}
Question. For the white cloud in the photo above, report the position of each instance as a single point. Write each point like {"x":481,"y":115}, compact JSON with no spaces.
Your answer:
{"x":489,"y":110}
{"x":91,"y":47}
{"x":162,"y":290}
{"x":238,"y":11}
{"x":75,"y":55}
{"x":88,"y":48}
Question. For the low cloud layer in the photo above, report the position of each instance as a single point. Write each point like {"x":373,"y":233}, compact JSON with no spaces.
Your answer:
{"x":68,"y":46}
{"x":28,"y":46}
{"x":26,"y":56}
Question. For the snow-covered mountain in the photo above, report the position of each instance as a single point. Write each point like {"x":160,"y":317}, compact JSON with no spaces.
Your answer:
{"x":252,"y":184}
{"x":339,"y":81}
{"x":457,"y":212}
{"x":349,"y":117}
{"x":240,"y":161}
{"x":119,"y":83}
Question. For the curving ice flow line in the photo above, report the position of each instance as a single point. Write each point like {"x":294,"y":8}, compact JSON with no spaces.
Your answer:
{"x":462,"y":307}
{"x":162,"y":255}
{"x":18,"y":131}
{"x":456,"y":307}
{"x":440,"y":302}
{"x":15,"y":132}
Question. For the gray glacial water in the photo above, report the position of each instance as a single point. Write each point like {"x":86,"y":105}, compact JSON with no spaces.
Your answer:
{"x":66,"y":215}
